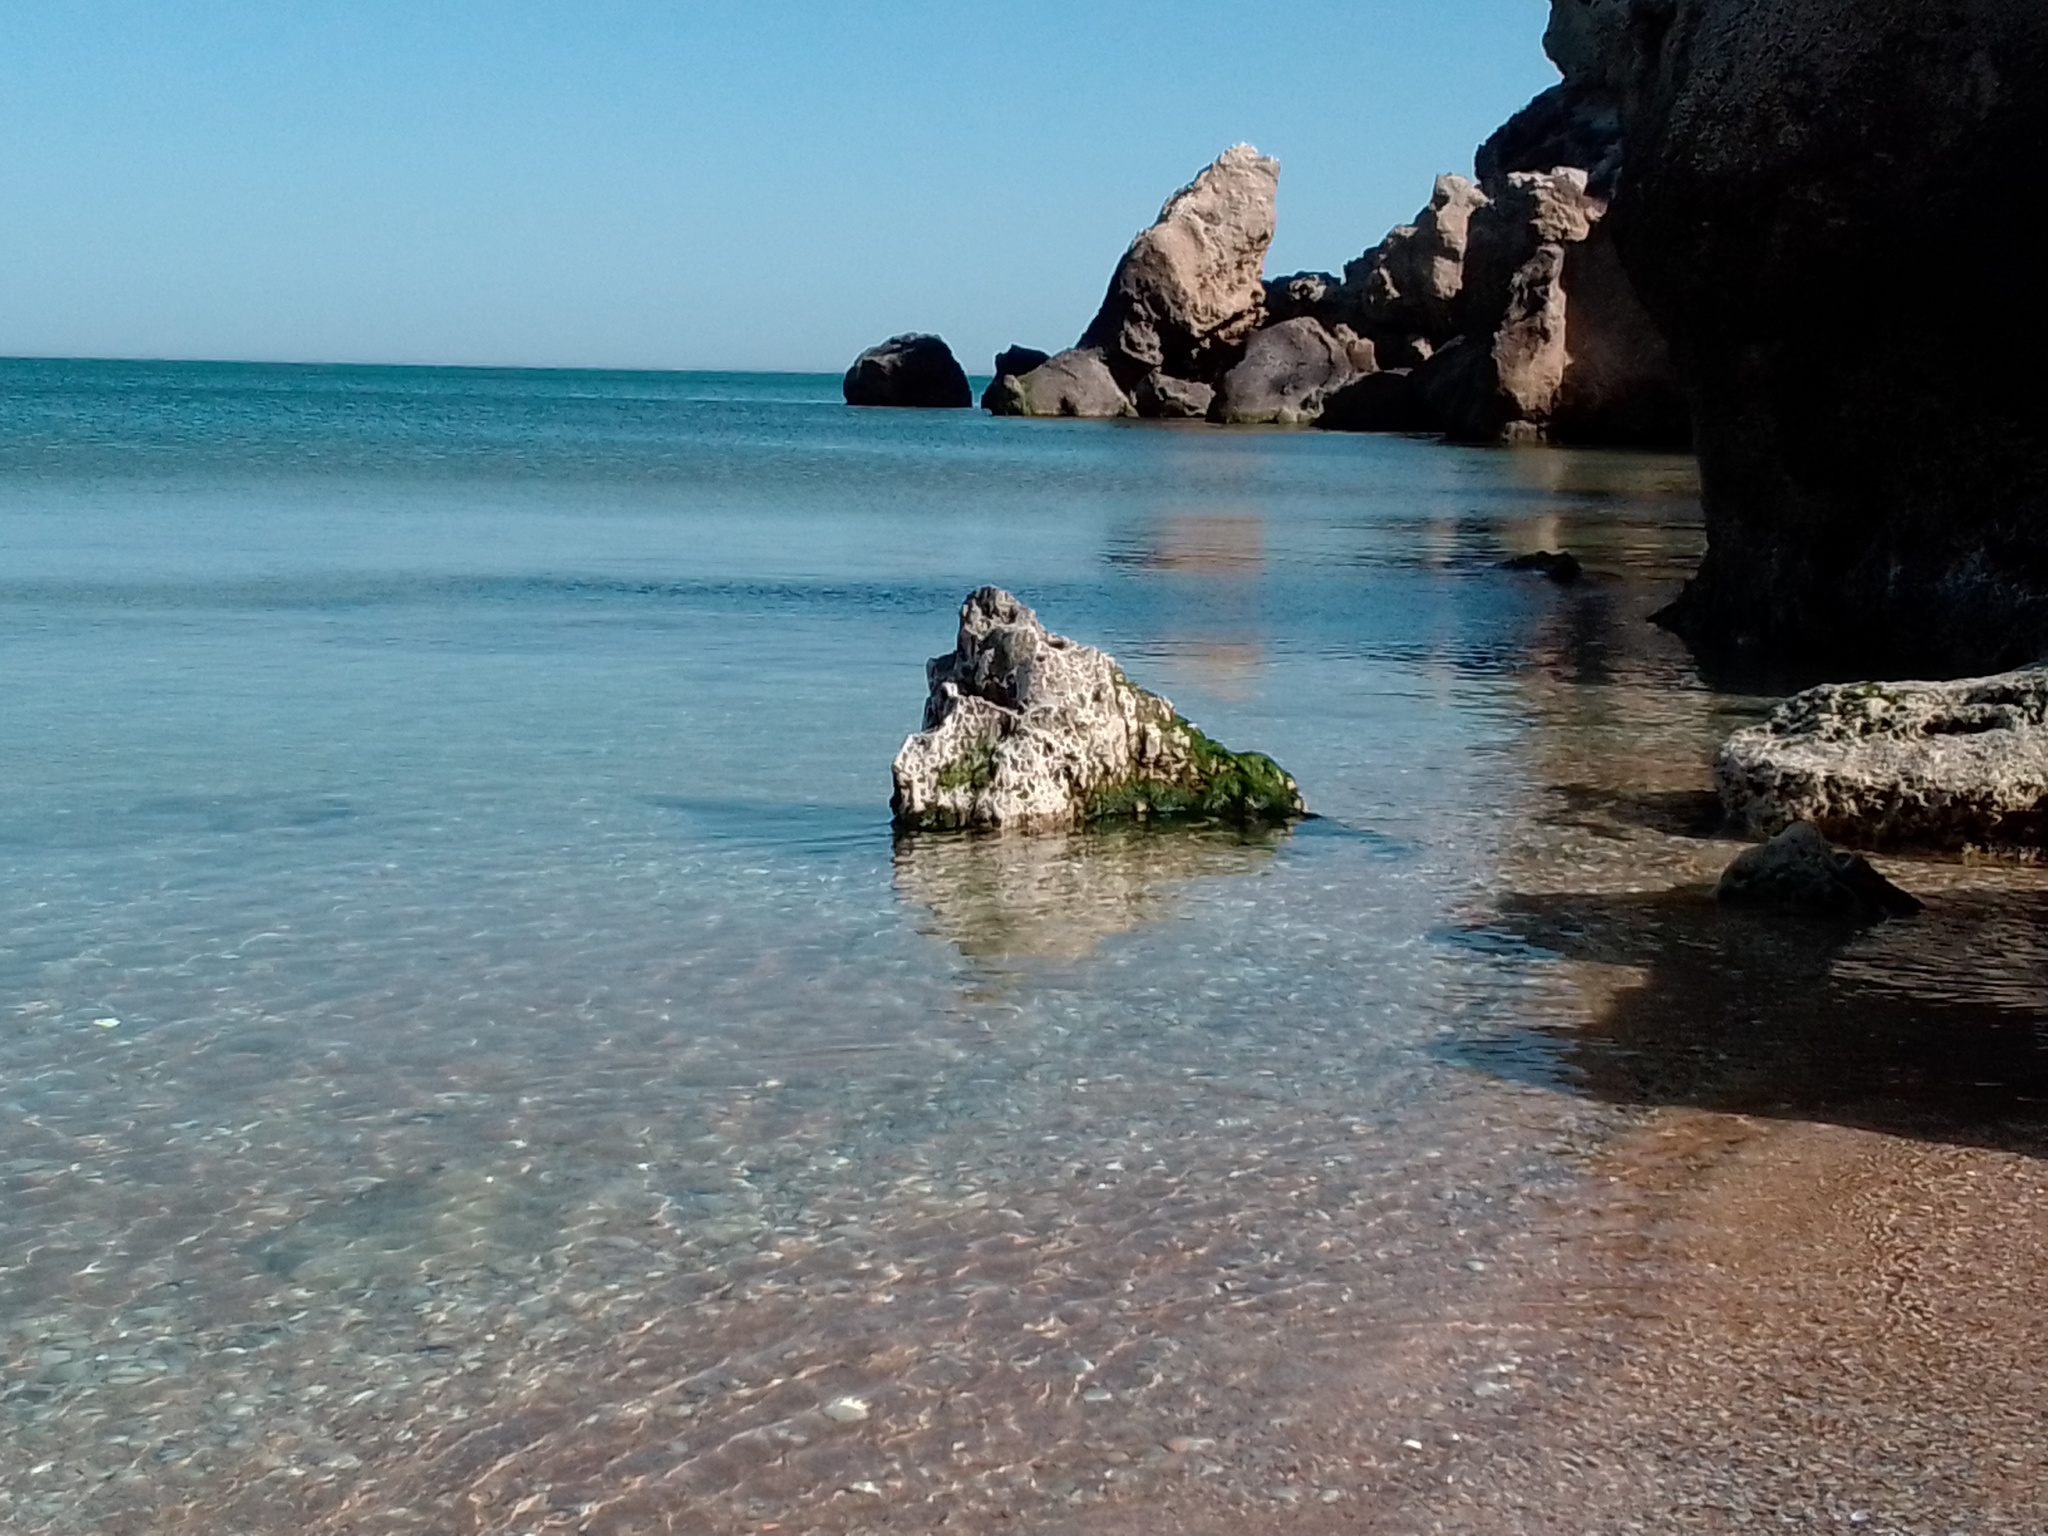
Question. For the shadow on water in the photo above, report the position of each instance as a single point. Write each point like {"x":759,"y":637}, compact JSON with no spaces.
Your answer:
{"x":1935,"y":1028}
{"x":1059,"y":895}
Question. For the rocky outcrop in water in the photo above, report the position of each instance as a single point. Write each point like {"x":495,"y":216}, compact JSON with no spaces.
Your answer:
{"x":1797,"y":871}
{"x":1927,"y":765}
{"x":1025,"y":729}
{"x":1188,"y":294}
{"x":911,"y":370}
{"x":1011,"y":362}
{"x":1286,"y":373}
{"x":1818,"y":206}
{"x":1075,"y":383}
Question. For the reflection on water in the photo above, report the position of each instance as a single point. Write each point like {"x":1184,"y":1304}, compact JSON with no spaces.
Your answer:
{"x":1057,"y":896}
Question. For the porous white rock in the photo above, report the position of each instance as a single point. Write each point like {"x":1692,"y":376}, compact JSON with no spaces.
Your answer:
{"x":1932,"y":765}
{"x":1027,"y":729}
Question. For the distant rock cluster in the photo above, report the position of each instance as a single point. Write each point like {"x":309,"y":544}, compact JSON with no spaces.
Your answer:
{"x":1500,"y":315}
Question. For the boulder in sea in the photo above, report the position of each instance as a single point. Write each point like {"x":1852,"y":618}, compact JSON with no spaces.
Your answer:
{"x":1287,"y":371}
{"x":1011,"y":362}
{"x":1162,"y":397}
{"x":909,"y":370}
{"x":1928,"y":765}
{"x":1188,"y":293}
{"x":1075,"y":383}
{"x":1025,"y":729}
{"x":1797,"y":871}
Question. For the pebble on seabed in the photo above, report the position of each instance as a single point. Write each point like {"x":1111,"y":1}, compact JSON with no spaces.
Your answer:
{"x":847,"y":1410}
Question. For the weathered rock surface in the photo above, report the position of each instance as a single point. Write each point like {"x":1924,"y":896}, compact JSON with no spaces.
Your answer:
{"x":1075,"y":383}
{"x":1287,"y":372}
{"x":1011,"y":362}
{"x":1405,"y":291}
{"x":1026,"y":729}
{"x":1819,"y":210}
{"x":1797,"y":871}
{"x":910,"y":370}
{"x":1165,"y":398}
{"x":1511,"y":308}
{"x":1929,"y":765}
{"x":1188,"y":293}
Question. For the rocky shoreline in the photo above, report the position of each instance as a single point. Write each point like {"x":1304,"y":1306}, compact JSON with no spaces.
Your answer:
{"x":1684,"y":242}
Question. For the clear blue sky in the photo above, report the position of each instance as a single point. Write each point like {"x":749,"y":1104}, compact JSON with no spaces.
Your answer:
{"x":683,"y":185}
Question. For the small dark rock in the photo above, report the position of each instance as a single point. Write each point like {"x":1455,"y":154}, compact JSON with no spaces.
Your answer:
{"x":1011,"y":362}
{"x":1561,"y":566}
{"x":1798,"y":871}
{"x":910,"y":370}
{"x":1379,"y":402}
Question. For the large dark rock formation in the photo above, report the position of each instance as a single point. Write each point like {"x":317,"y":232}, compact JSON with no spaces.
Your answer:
{"x":908,"y":370}
{"x":1817,"y":204}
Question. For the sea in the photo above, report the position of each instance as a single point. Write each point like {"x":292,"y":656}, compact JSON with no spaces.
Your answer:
{"x":474,"y":1057}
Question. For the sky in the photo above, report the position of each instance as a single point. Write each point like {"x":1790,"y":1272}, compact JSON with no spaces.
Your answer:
{"x":626,"y":183}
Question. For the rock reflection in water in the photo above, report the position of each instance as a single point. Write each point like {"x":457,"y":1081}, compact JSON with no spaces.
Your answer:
{"x":1057,"y":896}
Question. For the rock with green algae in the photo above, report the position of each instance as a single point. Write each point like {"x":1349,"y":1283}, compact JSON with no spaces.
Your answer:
{"x":1025,"y":729}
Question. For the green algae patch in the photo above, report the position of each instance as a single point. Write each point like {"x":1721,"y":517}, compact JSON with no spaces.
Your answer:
{"x":1216,"y":784}
{"x":975,"y":772}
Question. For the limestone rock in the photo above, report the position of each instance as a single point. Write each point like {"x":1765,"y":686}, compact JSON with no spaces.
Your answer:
{"x":1820,"y":209}
{"x":1799,"y":872}
{"x":1188,"y":292}
{"x":1286,"y":373}
{"x":1075,"y":383}
{"x":1026,"y":729}
{"x":910,"y":370}
{"x":1165,"y":398}
{"x":1930,"y":765}
{"x":1011,"y":362}
{"x":1558,"y":347}
{"x":1406,"y":289}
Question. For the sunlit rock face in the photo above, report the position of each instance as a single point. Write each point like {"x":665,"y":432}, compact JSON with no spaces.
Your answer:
{"x":1025,"y":729}
{"x":1931,"y":765}
{"x":1817,"y":205}
{"x":1189,"y":291}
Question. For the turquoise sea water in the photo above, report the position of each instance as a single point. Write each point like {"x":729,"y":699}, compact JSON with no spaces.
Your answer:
{"x":472,"y":1056}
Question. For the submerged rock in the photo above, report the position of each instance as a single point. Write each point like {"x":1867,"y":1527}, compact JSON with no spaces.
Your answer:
{"x":910,"y":370}
{"x":1560,"y":565}
{"x":1188,"y":292}
{"x":1798,"y":871}
{"x":1027,"y":729}
{"x":1932,"y":765}
{"x":1075,"y":383}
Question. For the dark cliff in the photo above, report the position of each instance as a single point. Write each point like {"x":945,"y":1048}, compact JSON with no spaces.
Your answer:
{"x":1819,"y":202}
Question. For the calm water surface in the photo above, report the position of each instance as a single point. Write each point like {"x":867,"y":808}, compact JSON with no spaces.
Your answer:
{"x":472,"y":1057}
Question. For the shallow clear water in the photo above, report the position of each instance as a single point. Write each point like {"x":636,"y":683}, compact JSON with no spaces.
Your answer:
{"x":472,"y":1056}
